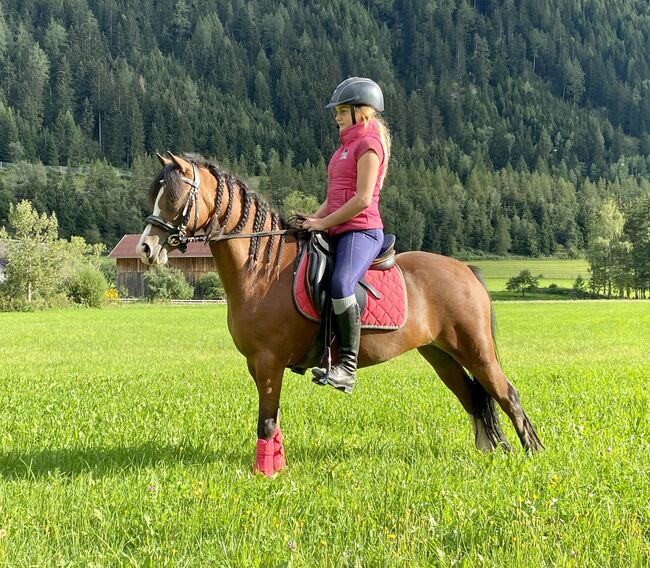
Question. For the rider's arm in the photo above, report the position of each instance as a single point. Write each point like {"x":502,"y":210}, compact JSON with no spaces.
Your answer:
{"x":322,"y":210}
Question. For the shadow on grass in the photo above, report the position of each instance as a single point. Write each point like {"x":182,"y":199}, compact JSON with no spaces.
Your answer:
{"x":104,"y":461}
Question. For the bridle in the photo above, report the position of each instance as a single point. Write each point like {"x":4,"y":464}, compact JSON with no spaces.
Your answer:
{"x":178,"y":233}
{"x":178,"y":237}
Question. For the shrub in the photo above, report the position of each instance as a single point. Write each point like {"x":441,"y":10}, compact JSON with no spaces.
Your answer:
{"x":87,"y":287}
{"x":580,"y":285}
{"x":109,"y":270}
{"x":209,"y":287}
{"x":12,"y":303}
{"x":297,"y":201}
{"x":167,"y":284}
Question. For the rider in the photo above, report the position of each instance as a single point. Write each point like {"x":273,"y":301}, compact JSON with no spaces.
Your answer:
{"x":350,"y":212}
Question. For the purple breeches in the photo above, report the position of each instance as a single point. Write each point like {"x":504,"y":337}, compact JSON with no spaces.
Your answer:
{"x":355,"y":251}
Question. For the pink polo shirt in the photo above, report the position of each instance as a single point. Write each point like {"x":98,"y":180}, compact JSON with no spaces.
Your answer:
{"x":342,"y":176}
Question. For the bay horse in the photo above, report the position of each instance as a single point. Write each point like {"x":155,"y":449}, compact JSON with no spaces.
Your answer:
{"x":450,"y":318}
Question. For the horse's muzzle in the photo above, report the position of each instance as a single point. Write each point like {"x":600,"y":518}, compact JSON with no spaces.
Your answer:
{"x":150,"y":251}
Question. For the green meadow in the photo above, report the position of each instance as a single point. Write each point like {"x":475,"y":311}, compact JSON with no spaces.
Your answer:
{"x":562,"y":272}
{"x":128,"y":437}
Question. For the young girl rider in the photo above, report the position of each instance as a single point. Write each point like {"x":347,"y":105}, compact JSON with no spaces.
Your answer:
{"x":350,"y":212}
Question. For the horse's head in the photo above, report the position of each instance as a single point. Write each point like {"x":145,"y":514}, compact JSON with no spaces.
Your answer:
{"x":182,"y":196}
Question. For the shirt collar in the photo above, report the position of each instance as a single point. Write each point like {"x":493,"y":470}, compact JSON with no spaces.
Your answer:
{"x":357,"y":131}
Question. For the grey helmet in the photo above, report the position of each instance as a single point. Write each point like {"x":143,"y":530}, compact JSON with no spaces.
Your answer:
{"x":358,"y":91}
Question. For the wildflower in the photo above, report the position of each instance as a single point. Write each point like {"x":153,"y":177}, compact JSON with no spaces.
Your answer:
{"x":609,"y":450}
{"x":152,"y":488}
{"x":292,"y":545}
{"x":3,"y":533}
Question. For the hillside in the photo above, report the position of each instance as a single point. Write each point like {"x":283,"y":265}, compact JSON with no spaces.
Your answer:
{"x":565,"y":83}
{"x":511,"y":120}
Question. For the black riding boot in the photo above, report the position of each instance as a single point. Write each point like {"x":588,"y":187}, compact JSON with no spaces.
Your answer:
{"x":343,"y":374}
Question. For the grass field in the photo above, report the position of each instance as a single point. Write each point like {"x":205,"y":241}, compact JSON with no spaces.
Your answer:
{"x":128,"y":436}
{"x":561,"y":272}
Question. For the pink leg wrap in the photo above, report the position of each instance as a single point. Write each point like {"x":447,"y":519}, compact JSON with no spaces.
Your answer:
{"x":279,"y":459}
{"x":264,"y":457}
{"x":269,"y":455}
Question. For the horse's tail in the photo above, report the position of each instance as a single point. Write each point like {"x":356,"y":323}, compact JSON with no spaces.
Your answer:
{"x":483,"y":402}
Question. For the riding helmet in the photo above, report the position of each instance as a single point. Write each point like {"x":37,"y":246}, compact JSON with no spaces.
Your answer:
{"x":358,"y":91}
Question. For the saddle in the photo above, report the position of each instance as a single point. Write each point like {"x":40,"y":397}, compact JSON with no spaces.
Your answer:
{"x":312,"y":296}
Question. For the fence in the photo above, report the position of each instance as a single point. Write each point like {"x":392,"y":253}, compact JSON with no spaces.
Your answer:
{"x":142,"y":301}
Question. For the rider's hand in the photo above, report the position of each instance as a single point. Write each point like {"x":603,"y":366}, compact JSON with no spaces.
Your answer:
{"x":313,"y":224}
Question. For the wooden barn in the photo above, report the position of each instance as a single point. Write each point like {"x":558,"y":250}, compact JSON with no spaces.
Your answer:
{"x":196,"y":262}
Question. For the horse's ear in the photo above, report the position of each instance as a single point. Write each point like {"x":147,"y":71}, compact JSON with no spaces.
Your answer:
{"x":183,"y":165}
{"x":164,"y":161}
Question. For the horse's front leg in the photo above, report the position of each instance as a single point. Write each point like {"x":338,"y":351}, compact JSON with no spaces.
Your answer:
{"x":269,"y":453}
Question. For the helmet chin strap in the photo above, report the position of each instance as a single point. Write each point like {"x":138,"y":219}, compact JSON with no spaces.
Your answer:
{"x":354,"y":115}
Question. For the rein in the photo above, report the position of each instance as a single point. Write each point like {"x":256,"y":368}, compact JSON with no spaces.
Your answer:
{"x":178,"y":237}
{"x":227,"y":236}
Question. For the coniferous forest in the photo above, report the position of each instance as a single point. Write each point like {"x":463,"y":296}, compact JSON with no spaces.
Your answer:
{"x":513,"y":121}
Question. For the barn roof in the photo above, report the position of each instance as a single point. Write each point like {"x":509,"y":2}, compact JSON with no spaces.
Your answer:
{"x":126,"y":249}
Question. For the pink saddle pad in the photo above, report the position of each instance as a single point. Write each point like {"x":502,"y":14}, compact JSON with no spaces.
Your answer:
{"x":387,"y":312}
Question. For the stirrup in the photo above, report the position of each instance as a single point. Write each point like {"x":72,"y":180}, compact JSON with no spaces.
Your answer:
{"x":319,"y":377}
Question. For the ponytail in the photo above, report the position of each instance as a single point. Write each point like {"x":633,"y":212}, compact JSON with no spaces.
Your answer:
{"x":367,"y":113}
{"x":384,"y":135}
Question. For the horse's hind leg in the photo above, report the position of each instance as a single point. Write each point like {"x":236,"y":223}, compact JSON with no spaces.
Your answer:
{"x":492,"y":377}
{"x":471,"y":394}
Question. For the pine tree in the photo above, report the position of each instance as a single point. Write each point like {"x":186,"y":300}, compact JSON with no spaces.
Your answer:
{"x":69,"y":139}
{"x":8,"y":133}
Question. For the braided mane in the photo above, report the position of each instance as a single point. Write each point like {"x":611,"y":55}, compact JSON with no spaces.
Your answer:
{"x":248,"y":199}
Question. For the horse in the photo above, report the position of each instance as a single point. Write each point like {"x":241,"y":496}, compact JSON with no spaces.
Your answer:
{"x":450,"y":318}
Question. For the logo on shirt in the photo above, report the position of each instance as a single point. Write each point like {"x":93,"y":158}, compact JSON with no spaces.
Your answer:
{"x":344,"y":155}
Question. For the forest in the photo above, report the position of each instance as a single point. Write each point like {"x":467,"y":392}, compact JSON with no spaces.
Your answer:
{"x":513,"y":122}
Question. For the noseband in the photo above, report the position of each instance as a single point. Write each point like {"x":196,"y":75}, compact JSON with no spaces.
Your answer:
{"x":178,"y":237}
{"x":178,"y":233}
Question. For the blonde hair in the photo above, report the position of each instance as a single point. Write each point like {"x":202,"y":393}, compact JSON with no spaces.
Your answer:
{"x":367,"y":113}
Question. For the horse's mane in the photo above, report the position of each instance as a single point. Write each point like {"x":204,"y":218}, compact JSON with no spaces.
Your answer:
{"x":226,"y":181}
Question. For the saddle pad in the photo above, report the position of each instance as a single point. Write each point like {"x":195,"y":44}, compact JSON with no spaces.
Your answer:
{"x":387,"y":312}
